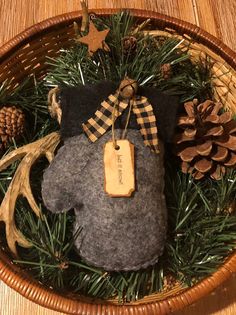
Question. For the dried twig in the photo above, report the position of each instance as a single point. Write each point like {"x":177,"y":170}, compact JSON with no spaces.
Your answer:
{"x":85,"y":15}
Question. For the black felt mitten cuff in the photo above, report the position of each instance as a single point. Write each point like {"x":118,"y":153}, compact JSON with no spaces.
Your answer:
{"x":80,"y":103}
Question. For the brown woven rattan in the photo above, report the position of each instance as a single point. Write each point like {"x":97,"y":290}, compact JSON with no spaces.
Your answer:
{"x":26,"y":54}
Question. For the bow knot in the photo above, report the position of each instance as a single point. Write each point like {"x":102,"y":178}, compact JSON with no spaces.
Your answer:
{"x":95,"y":127}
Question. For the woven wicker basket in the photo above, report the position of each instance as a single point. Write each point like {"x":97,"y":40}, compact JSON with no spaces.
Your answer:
{"x":26,"y":54}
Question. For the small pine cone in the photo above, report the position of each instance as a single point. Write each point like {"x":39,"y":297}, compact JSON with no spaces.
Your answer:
{"x":129,"y":44}
{"x":12,"y":121}
{"x":206,"y":139}
{"x":166,"y":71}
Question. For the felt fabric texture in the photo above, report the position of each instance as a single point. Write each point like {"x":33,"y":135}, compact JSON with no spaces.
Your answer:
{"x":80,"y":103}
{"x":117,"y":233}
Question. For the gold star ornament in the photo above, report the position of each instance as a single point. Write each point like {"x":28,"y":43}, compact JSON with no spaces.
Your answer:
{"x":95,"y":39}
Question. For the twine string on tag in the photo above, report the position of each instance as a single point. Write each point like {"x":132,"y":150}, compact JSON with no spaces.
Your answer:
{"x":114,"y":106}
{"x":116,"y":147}
{"x":127,"y":120}
{"x":130,"y":99}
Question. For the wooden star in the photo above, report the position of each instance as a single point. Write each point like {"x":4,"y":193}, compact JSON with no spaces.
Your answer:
{"x":95,"y":39}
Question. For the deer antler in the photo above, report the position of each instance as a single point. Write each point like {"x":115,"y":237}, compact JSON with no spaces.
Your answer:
{"x":20,"y":184}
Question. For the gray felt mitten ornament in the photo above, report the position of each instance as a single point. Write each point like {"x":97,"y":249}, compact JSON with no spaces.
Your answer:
{"x":123,"y":233}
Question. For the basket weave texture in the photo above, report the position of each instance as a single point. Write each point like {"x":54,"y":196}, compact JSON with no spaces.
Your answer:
{"x":25,"y":55}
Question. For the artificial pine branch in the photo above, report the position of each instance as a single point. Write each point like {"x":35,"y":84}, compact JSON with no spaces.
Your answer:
{"x":31,"y":97}
{"x":200,"y":236}
{"x":144,"y":66}
{"x":201,"y":231}
{"x":199,"y":240}
{"x":189,"y":80}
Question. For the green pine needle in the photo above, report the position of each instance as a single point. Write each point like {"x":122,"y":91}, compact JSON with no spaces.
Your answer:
{"x":199,"y":239}
{"x":201,"y":232}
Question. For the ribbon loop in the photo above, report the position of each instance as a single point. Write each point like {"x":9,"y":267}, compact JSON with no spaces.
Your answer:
{"x":95,"y":127}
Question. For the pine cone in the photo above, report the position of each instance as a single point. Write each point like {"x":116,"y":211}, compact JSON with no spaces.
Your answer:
{"x":12,"y":122}
{"x":129,"y":44}
{"x":206,"y":139}
{"x":166,"y":71}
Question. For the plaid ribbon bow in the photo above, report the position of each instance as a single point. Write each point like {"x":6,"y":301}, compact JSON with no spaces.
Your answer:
{"x":95,"y":127}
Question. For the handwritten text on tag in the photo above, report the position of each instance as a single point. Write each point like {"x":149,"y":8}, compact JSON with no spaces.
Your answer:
{"x":119,"y":168}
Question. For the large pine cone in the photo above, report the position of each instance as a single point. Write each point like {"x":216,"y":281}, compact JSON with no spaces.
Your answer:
{"x":206,"y":139}
{"x":12,"y":121}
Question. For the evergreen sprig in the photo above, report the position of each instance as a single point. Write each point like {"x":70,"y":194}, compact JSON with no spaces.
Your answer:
{"x":202,"y":231}
{"x":31,"y":96}
{"x":201,"y":228}
{"x":188,"y":81}
{"x":200,"y":237}
{"x":191,"y":80}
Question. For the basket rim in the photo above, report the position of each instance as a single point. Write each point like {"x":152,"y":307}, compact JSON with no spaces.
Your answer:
{"x":194,"y":31}
{"x":29,"y":288}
